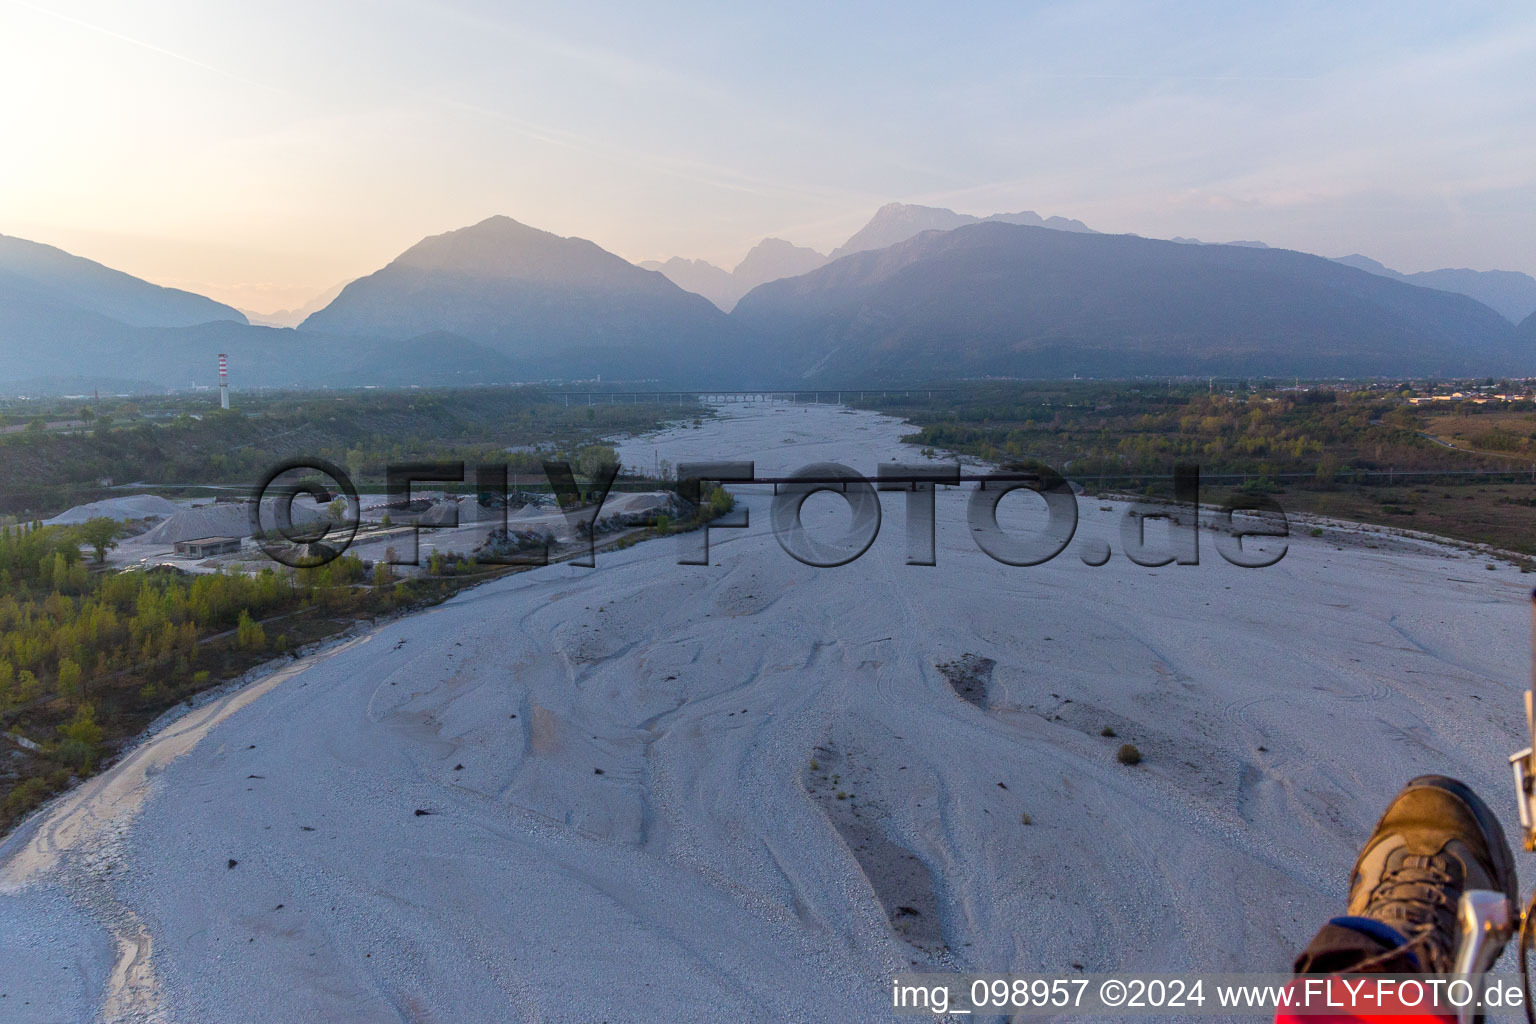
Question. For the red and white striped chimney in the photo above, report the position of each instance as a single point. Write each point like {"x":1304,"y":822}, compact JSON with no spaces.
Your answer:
{"x":223,"y":381}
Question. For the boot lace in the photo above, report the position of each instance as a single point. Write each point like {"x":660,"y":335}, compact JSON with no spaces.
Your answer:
{"x":1417,"y":894}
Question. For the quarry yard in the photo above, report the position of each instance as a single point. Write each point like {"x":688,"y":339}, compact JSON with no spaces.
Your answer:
{"x":755,"y":790}
{"x":161,"y":525}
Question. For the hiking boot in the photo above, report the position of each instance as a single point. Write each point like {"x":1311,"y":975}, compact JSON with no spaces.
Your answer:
{"x":1435,"y":841}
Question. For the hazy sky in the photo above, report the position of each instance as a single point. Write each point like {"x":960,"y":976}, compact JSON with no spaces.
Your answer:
{"x":262,"y":152}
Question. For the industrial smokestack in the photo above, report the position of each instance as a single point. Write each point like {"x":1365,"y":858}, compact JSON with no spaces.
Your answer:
{"x":223,"y":381}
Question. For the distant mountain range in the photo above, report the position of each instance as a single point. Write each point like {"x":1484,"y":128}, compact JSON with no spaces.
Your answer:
{"x":70,"y":324}
{"x":1526,"y":332}
{"x":702,"y":278}
{"x":55,"y":279}
{"x":897,"y":222}
{"x":769,"y":260}
{"x":1001,"y":299}
{"x":774,"y":259}
{"x":556,"y":307}
{"x":1196,"y":241}
{"x":953,"y":296}
{"x":294,"y":317}
{"x":1510,"y":293}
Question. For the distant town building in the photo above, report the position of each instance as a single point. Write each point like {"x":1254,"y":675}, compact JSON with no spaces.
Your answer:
{"x":1460,"y":396}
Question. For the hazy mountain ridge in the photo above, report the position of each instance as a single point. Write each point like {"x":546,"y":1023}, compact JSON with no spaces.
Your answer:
{"x":1507,"y":292}
{"x":768,"y":260}
{"x":52,"y":341}
{"x":897,"y":222}
{"x":500,"y":301}
{"x":43,"y":337}
{"x":1015,"y":300}
{"x":1196,"y":241}
{"x":294,"y":317}
{"x":702,"y":278}
{"x":555,"y":306}
{"x":63,"y":279}
{"x":1526,"y":331}
{"x":85,"y":347}
{"x":773,"y":259}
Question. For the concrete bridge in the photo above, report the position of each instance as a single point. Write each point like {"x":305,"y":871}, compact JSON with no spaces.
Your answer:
{"x":833,"y":396}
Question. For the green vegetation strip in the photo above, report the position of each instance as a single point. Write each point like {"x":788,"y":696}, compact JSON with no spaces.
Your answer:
{"x":1359,"y":452}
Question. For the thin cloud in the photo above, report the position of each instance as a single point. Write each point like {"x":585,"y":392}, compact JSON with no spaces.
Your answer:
{"x":151,"y":47}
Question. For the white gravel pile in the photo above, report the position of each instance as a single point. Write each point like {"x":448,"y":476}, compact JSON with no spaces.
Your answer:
{"x":135,"y":506}
{"x":224,"y":519}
